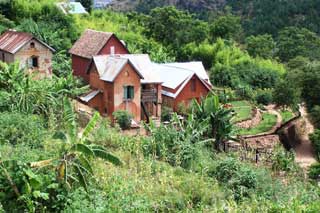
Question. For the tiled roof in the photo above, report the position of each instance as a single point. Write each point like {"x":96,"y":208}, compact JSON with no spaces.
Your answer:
{"x":12,"y":41}
{"x":90,"y":43}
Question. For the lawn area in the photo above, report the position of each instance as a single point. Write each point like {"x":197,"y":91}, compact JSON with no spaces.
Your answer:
{"x":286,"y":115}
{"x":268,"y":121}
{"x":242,"y":109}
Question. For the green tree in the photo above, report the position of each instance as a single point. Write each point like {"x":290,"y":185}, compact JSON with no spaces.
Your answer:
{"x":174,"y":28}
{"x":311,"y":84}
{"x":315,"y":115}
{"x":293,"y":42}
{"x":226,"y":27}
{"x":261,"y":46}
{"x":286,"y":94}
{"x":204,"y":52}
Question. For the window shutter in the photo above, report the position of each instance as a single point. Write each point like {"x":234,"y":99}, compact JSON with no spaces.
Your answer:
{"x":125,"y":92}
{"x":131,"y":92}
{"x":29,"y":62}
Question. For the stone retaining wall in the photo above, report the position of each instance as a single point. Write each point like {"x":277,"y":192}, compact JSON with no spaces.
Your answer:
{"x":252,"y":122}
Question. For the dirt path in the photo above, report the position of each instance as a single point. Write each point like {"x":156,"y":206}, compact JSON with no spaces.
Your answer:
{"x":305,"y":155}
{"x":271,"y":109}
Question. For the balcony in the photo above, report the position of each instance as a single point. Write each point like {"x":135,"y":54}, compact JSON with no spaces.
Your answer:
{"x":149,"y":95}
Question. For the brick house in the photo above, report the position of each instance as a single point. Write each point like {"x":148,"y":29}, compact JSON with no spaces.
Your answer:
{"x":182,"y":82}
{"x":93,"y":43}
{"x":31,"y":53}
{"x":123,"y":82}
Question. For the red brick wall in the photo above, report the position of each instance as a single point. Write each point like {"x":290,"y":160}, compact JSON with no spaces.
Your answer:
{"x":96,"y":103}
{"x":119,"y":47}
{"x":112,"y":97}
{"x":186,"y":95}
{"x":94,"y":79}
{"x":79,"y":67}
{"x":128,"y":77}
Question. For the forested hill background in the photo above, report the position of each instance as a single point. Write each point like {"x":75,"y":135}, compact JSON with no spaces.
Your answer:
{"x":257,"y":16}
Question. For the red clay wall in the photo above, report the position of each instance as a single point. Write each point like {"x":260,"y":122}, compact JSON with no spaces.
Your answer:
{"x":186,"y":95}
{"x":79,"y":67}
{"x":128,"y":77}
{"x":94,"y":79}
{"x":119,"y":47}
{"x":96,"y":103}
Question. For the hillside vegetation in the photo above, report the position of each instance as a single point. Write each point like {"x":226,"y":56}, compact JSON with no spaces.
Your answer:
{"x":51,"y":162}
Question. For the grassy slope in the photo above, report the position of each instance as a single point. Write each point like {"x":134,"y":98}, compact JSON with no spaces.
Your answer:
{"x":242,"y":109}
{"x":286,"y":115}
{"x":268,"y":121}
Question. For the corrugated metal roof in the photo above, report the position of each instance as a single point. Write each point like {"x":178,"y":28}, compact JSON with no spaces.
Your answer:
{"x":72,"y":8}
{"x":12,"y":41}
{"x":143,"y":63}
{"x":195,"y":66}
{"x":175,"y":76}
{"x":109,"y":66}
{"x":171,"y":76}
{"x":90,"y":43}
{"x":89,"y":96}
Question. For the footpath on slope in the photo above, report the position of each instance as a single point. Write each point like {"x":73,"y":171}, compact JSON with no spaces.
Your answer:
{"x":305,"y":155}
{"x":270,"y":109}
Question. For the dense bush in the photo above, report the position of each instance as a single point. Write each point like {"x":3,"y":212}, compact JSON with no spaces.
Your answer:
{"x":240,"y":178}
{"x":315,"y":116}
{"x":166,"y":113}
{"x":17,"y":128}
{"x":123,"y":118}
{"x":264,"y":96}
{"x":283,"y":160}
{"x":175,"y":142}
{"x":314,"y":171}
{"x":315,"y":138}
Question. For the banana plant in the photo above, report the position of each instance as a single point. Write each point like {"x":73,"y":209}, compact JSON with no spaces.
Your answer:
{"x":218,"y":118}
{"x":75,"y":164}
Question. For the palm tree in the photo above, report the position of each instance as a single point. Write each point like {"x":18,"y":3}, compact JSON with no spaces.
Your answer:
{"x":218,"y":118}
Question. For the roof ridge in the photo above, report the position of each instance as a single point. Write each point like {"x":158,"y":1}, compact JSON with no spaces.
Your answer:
{"x":97,"y":31}
{"x":181,"y":68}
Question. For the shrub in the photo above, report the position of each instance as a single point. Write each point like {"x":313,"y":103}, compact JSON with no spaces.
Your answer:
{"x":314,"y":171}
{"x":166,"y":113}
{"x":123,"y":118}
{"x":283,"y":160}
{"x":239,"y":177}
{"x":182,"y":109}
{"x":315,"y":116}
{"x":19,"y":128}
{"x":315,"y":138}
{"x":264,"y":96}
{"x":244,"y":92}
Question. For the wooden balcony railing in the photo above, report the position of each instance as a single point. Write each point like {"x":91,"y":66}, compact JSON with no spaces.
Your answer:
{"x":149,"y":95}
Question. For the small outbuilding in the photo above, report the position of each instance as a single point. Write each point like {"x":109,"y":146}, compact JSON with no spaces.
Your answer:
{"x":182,"y":83}
{"x":93,"y":43}
{"x":32,"y":53}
